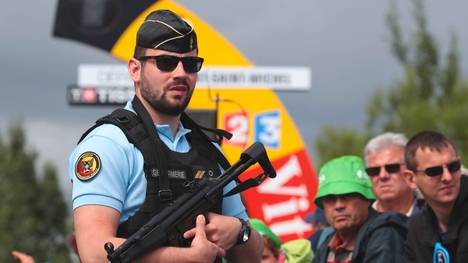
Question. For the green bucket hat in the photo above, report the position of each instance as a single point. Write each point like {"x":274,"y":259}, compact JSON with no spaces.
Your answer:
{"x":261,"y":228}
{"x":343,"y":175}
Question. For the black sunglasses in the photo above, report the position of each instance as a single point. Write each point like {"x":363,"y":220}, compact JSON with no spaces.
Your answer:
{"x":169,"y":63}
{"x":438,"y":170}
{"x":390,"y":168}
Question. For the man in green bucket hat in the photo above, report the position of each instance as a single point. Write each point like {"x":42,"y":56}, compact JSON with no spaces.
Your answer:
{"x":360,"y":234}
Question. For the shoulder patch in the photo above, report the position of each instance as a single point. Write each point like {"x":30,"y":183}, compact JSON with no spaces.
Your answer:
{"x":87,"y":166}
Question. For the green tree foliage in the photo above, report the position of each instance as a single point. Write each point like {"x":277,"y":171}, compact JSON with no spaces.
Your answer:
{"x":430,"y":95}
{"x":33,"y":213}
{"x":335,"y":142}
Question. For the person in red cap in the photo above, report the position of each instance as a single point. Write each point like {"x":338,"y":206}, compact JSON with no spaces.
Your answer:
{"x":138,"y":160}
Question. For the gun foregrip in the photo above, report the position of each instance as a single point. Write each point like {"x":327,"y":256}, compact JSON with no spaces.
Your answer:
{"x":176,"y":235}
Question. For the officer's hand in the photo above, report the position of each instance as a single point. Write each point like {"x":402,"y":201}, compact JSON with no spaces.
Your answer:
{"x":203,"y":249}
{"x":223,"y":230}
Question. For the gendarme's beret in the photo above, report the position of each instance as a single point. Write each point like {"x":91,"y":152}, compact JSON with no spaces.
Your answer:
{"x":163,"y":29}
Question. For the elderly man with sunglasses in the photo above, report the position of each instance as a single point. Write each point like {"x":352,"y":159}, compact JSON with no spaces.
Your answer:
{"x":384,"y":157}
{"x":440,"y":232}
{"x":137,"y":160}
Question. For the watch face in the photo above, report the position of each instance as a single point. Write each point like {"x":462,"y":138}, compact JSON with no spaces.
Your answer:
{"x":245,"y":237}
{"x":244,"y":233}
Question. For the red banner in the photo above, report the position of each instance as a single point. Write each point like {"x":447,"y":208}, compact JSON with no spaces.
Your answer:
{"x":283,"y":202}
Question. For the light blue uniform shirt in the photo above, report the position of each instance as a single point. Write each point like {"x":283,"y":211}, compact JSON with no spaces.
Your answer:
{"x":121,"y":182}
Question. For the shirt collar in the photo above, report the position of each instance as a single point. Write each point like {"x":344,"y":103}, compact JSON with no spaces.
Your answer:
{"x":408,"y":213}
{"x":338,"y":246}
{"x":165,"y":130}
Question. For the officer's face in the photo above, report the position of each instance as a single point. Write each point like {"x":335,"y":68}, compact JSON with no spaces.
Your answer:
{"x":168,"y":92}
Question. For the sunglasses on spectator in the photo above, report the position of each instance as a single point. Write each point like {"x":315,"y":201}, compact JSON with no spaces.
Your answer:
{"x":168,"y":63}
{"x":390,"y":168}
{"x":452,"y":167}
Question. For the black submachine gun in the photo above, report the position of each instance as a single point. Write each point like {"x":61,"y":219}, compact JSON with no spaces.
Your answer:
{"x":168,"y":226}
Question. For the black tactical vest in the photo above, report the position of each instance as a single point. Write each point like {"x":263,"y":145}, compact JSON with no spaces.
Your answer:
{"x":168,"y":174}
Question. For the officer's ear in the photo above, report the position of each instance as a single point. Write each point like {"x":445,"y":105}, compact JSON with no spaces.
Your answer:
{"x":134,"y":69}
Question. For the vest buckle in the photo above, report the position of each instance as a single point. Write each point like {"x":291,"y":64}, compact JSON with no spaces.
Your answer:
{"x":165,"y":195}
{"x":122,"y":119}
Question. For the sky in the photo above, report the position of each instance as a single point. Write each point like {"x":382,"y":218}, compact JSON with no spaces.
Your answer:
{"x":345,"y":44}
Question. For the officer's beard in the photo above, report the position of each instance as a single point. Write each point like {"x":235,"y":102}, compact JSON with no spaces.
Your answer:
{"x":160,"y":103}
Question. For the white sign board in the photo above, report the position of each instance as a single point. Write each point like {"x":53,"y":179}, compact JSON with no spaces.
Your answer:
{"x":115,"y":75}
{"x":277,"y":78}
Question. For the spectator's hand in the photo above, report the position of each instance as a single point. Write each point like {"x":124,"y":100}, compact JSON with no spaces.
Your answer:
{"x":203,"y":249}
{"x":22,"y":257}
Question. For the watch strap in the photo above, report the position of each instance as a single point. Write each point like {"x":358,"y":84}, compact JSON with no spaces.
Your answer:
{"x":244,"y":233}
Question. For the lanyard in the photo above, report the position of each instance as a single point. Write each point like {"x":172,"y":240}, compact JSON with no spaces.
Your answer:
{"x":441,"y":254}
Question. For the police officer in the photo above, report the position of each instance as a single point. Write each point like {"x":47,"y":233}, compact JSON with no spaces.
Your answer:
{"x":137,"y":160}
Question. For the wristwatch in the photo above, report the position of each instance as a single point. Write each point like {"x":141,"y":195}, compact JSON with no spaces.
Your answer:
{"x":244,"y":233}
